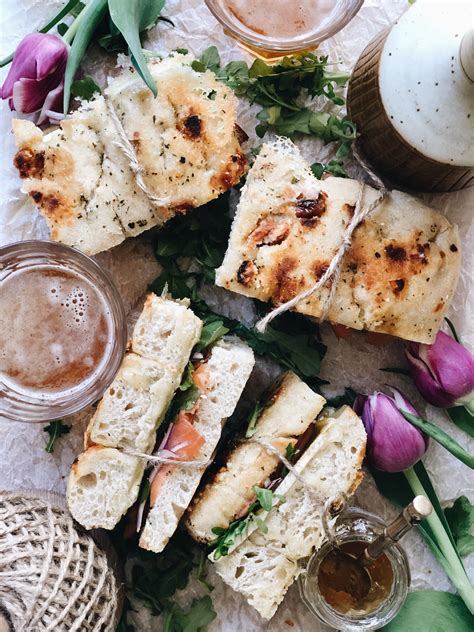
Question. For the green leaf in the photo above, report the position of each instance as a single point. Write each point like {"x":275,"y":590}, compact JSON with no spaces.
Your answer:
{"x":85,"y":88}
{"x":187,"y":377}
{"x":264,"y":497}
{"x":261,"y":525}
{"x":89,"y":19}
{"x":460,"y":518}
{"x":209,"y":60}
{"x":199,"y":615}
{"x":62,"y":28}
{"x":55,"y":429}
{"x":131,"y":17}
{"x":462,"y":418}
{"x":346,"y":399}
{"x":432,"y":611}
{"x":441,"y":437}
{"x":212,"y":331}
{"x":253,"y":418}
{"x":144,"y":490}
{"x":453,"y":330}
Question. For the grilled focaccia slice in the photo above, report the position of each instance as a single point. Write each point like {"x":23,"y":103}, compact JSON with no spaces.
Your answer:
{"x":128,"y":161}
{"x":397,"y":278}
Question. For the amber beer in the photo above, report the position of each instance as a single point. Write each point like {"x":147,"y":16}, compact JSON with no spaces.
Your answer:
{"x":271,"y":29}
{"x":60,"y":332}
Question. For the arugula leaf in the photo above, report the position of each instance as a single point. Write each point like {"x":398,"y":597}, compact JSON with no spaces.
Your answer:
{"x":432,"y":611}
{"x":187,"y":377}
{"x":280,"y":90}
{"x":131,"y":17}
{"x":226,"y":538}
{"x":253,"y":418}
{"x":212,"y":331}
{"x":460,"y":518}
{"x":144,"y":490}
{"x":264,"y":497}
{"x":462,"y":418}
{"x":196,"y":618}
{"x":334,"y":167}
{"x":55,"y":429}
{"x":85,"y":88}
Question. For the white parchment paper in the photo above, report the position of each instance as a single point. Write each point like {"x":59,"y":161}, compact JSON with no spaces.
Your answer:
{"x":23,"y":460}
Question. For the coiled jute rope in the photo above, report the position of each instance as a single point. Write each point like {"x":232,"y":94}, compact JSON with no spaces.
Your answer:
{"x":53,"y":575}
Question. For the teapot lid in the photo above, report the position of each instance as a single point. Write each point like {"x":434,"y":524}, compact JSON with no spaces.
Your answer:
{"x":426,"y":88}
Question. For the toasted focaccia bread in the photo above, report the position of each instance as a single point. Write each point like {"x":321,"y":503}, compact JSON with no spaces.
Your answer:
{"x":397,"y":278}
{"x":228,"y":369}
{"x":292,"y":407}
{"x":264,"y":565}
{"x":127,"y":161}
{"x":105,"y":479}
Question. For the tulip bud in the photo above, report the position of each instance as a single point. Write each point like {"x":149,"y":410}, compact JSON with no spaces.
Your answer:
{"x":443,"y":372}
{"x":35,"y":81}
{"x":393,"y":444}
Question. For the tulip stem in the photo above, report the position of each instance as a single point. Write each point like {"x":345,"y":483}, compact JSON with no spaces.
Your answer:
{"x":449,"y":557}
{"x":441,"y":437}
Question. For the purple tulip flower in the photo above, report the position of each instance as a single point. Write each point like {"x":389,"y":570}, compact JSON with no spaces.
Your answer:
{"x":443,"y":372}
{"x":393,"y":444}
{"x":35,"y":82}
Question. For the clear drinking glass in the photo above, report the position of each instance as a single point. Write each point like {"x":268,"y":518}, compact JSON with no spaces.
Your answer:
{"x":41,"y":404}
{"x":282,"y":30}
{"x":356,"y":525}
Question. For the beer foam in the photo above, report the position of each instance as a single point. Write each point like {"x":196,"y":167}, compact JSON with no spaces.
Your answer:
{"x":55,"y":331}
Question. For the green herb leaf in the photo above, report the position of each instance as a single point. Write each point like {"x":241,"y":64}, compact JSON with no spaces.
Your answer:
{"x":187,"y":377}
{"x":212,"y":331}
{"x":462,"y":418}
{"x":441,"y":437}
{"x":253,"y":418}
{"x":264,"y":497}
{"x":144,"y":490}
{"x":55,"y":429}
{"x":196,"y":618}
{"x":131,"y":17}
{"x":460,"y":518}
{"x":85,"y":88}
{"x":89,"y":18}
{"x":432,"y":611}
{"x":209,"y":60}
{"x":334,"y":167}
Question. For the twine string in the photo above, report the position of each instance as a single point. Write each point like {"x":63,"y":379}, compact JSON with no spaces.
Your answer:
{"x":129,"y":151}
{"x":160,"y":459}
{"x":333,"y":272}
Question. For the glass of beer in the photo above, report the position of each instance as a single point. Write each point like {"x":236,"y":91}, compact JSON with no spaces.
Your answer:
{"x":271,"y":29}
{"x":63,"y":331}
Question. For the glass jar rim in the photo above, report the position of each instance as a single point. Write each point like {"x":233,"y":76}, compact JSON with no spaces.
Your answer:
{"x":289,"y":45}
{"x":32,"y":408}
{"x":388,"y":609}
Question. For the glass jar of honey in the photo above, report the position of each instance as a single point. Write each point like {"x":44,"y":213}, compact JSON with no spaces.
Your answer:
{"x":346,"y":609}
{"x":271,"y":29}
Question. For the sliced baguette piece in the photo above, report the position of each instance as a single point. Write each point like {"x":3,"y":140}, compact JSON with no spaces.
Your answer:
{"x":135,"y":403}
{"x":130,"y":412}
{"x":292,"y":407}
{"x":263,"y":566}
{"x":229,"y":366}
{"x":102,"y":485}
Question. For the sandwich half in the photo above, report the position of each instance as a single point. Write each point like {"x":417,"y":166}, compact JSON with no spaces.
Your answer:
{"x":268,"y":558}
{"x":105,"y":479}
{"x":283,"y":420}
{"x":193,"y":434}
{"x":397,"y":278}
{"x":128,"y":161}
{"x":170,"y":399}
